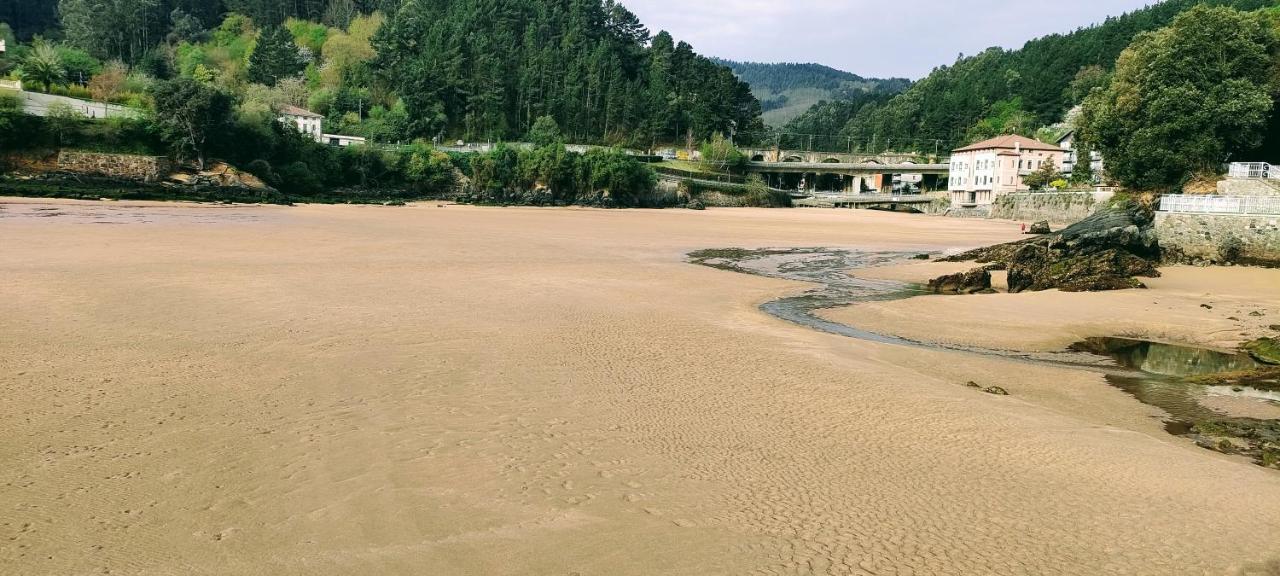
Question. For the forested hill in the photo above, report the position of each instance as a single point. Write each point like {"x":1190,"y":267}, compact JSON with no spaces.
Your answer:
{"x":489,"y":68}
{"x":1011,"y":90}
{"x":473,"y":69}
{"x":786,"y":90}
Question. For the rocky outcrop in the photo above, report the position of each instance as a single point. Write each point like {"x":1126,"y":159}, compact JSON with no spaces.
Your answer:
{"x":1040,"y":228}
{"x":975,"y":281}
{"x":1105,"y":251}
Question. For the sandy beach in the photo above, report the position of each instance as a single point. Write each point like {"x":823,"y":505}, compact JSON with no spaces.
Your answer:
{"x":333,"y":390}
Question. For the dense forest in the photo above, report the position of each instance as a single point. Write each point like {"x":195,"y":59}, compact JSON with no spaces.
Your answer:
{"x":786,"y":90}
{"x":472,"y":69}
{"x":490,"y":68}
{"x":1001,"y":90}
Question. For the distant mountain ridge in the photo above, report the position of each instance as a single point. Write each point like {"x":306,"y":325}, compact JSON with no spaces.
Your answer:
{"x":787,"y":89}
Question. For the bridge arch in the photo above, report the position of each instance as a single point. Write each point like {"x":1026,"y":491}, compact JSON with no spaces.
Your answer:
{"x":758,"y":158}
{"x":826,"y":182}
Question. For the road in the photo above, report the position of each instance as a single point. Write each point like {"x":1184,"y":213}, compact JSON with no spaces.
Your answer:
{"x":38,"y":104}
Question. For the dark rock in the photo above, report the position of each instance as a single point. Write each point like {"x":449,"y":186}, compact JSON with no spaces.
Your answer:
{"x":1102,"y":252}
{"x":1206,"y":307}
{"x":1275,"y":327}
{"x":1040,"y":228}
{"x":971,"y":282}
{"x":1257,"y":314}
{"x":972,"y":384}
{"x":921,"y":257}
{"x":695,"y":204}
{"x":998,"y":391}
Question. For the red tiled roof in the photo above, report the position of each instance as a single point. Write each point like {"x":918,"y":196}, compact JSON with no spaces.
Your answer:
{"x":1011,"y":142}
{"x":289,"y":110}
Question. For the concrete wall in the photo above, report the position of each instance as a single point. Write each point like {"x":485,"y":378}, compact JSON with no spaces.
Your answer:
{"x":1194,"y":238}
{"x":146,"y":168}
{"x":1055,"y":207}
{"x":1248,"y":187}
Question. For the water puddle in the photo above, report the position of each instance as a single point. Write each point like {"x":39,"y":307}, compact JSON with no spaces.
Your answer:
{"x":1161,"y":375}
{"x":110,"y":213}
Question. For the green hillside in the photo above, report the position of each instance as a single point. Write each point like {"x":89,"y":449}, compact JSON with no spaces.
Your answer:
{"x":787,"y":90}
{"x":1026,"y":88}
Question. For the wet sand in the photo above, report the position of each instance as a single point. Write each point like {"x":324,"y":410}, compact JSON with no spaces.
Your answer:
{"x":423,"y":390}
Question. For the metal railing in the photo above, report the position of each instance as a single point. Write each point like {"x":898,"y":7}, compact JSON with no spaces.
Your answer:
{"x":1252,"y":171}
{"x":1260,"y":205}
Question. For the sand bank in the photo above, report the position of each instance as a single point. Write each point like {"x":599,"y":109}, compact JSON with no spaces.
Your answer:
{"x":423,"y":390}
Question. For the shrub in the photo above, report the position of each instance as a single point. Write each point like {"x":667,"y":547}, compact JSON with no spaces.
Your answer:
{"x":759,"y":195}
{"x":262,"y":169}
{"x":297,"y":178}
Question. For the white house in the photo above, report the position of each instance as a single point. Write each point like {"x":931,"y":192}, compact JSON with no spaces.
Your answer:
{"x":1068,"y":143}
{"x":306,"y":121}
{"x":312,"y":124}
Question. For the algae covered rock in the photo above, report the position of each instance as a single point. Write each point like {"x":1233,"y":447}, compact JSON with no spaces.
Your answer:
{"x":1040,"y":228}
{"x":1265,"y":350}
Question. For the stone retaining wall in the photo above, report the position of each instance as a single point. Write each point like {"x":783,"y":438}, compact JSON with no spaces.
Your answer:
{"x":145,"y":168}
{"x":1192,"y":238}
{"x":1055,"y":207}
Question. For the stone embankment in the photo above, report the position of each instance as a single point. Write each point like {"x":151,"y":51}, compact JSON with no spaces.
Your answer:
{"x":1055,"y":207}
{"x":1189,"y":237}
{"x":125,"y":166}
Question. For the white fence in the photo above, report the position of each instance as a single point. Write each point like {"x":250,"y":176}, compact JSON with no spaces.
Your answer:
{"x":1263,"y":205}
{"x":1252,"y":170}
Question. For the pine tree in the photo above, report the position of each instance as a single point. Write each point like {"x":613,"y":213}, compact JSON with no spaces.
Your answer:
{"x":275,"y":57}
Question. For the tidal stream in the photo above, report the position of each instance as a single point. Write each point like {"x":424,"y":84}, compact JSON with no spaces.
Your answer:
{"x":1154,"y":373}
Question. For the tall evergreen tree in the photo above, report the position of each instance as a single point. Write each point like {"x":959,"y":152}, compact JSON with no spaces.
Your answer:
{"x":275,"y":57}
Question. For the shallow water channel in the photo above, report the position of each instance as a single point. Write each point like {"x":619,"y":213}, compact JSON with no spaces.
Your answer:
{"x":1152,"y":372}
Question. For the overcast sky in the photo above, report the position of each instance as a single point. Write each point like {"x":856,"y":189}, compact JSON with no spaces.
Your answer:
{"x":873,"y":38}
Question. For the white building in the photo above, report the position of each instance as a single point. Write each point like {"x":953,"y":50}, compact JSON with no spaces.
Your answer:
{"x":1068,"y":143}
{"x":306,"y":121}
{"x":342,"y":141}
{"x":312,"y":124}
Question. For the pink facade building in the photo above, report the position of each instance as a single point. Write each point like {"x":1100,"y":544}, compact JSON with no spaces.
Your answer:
{"x":982,"y":172}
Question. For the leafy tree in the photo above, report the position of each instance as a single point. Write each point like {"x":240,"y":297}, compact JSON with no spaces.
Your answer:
{"x":1086,"y":80}
{"x":1082,"y":171}
{"x":275,"y":57}
{"x":545,"y":131}
{"x":1043,"y":176}
{"x":61,"y":119}
{"x":428,"y":169}
{"x":43,"y":66}
{"x":1157,"y":123}
{"x":188,"y":114}
{"x":78,"y":64}
{"x":107,"y":84}
{"x":721,"y":153}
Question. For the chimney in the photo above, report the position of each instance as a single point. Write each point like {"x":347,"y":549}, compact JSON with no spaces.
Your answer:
{"x":1017,"y":147}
